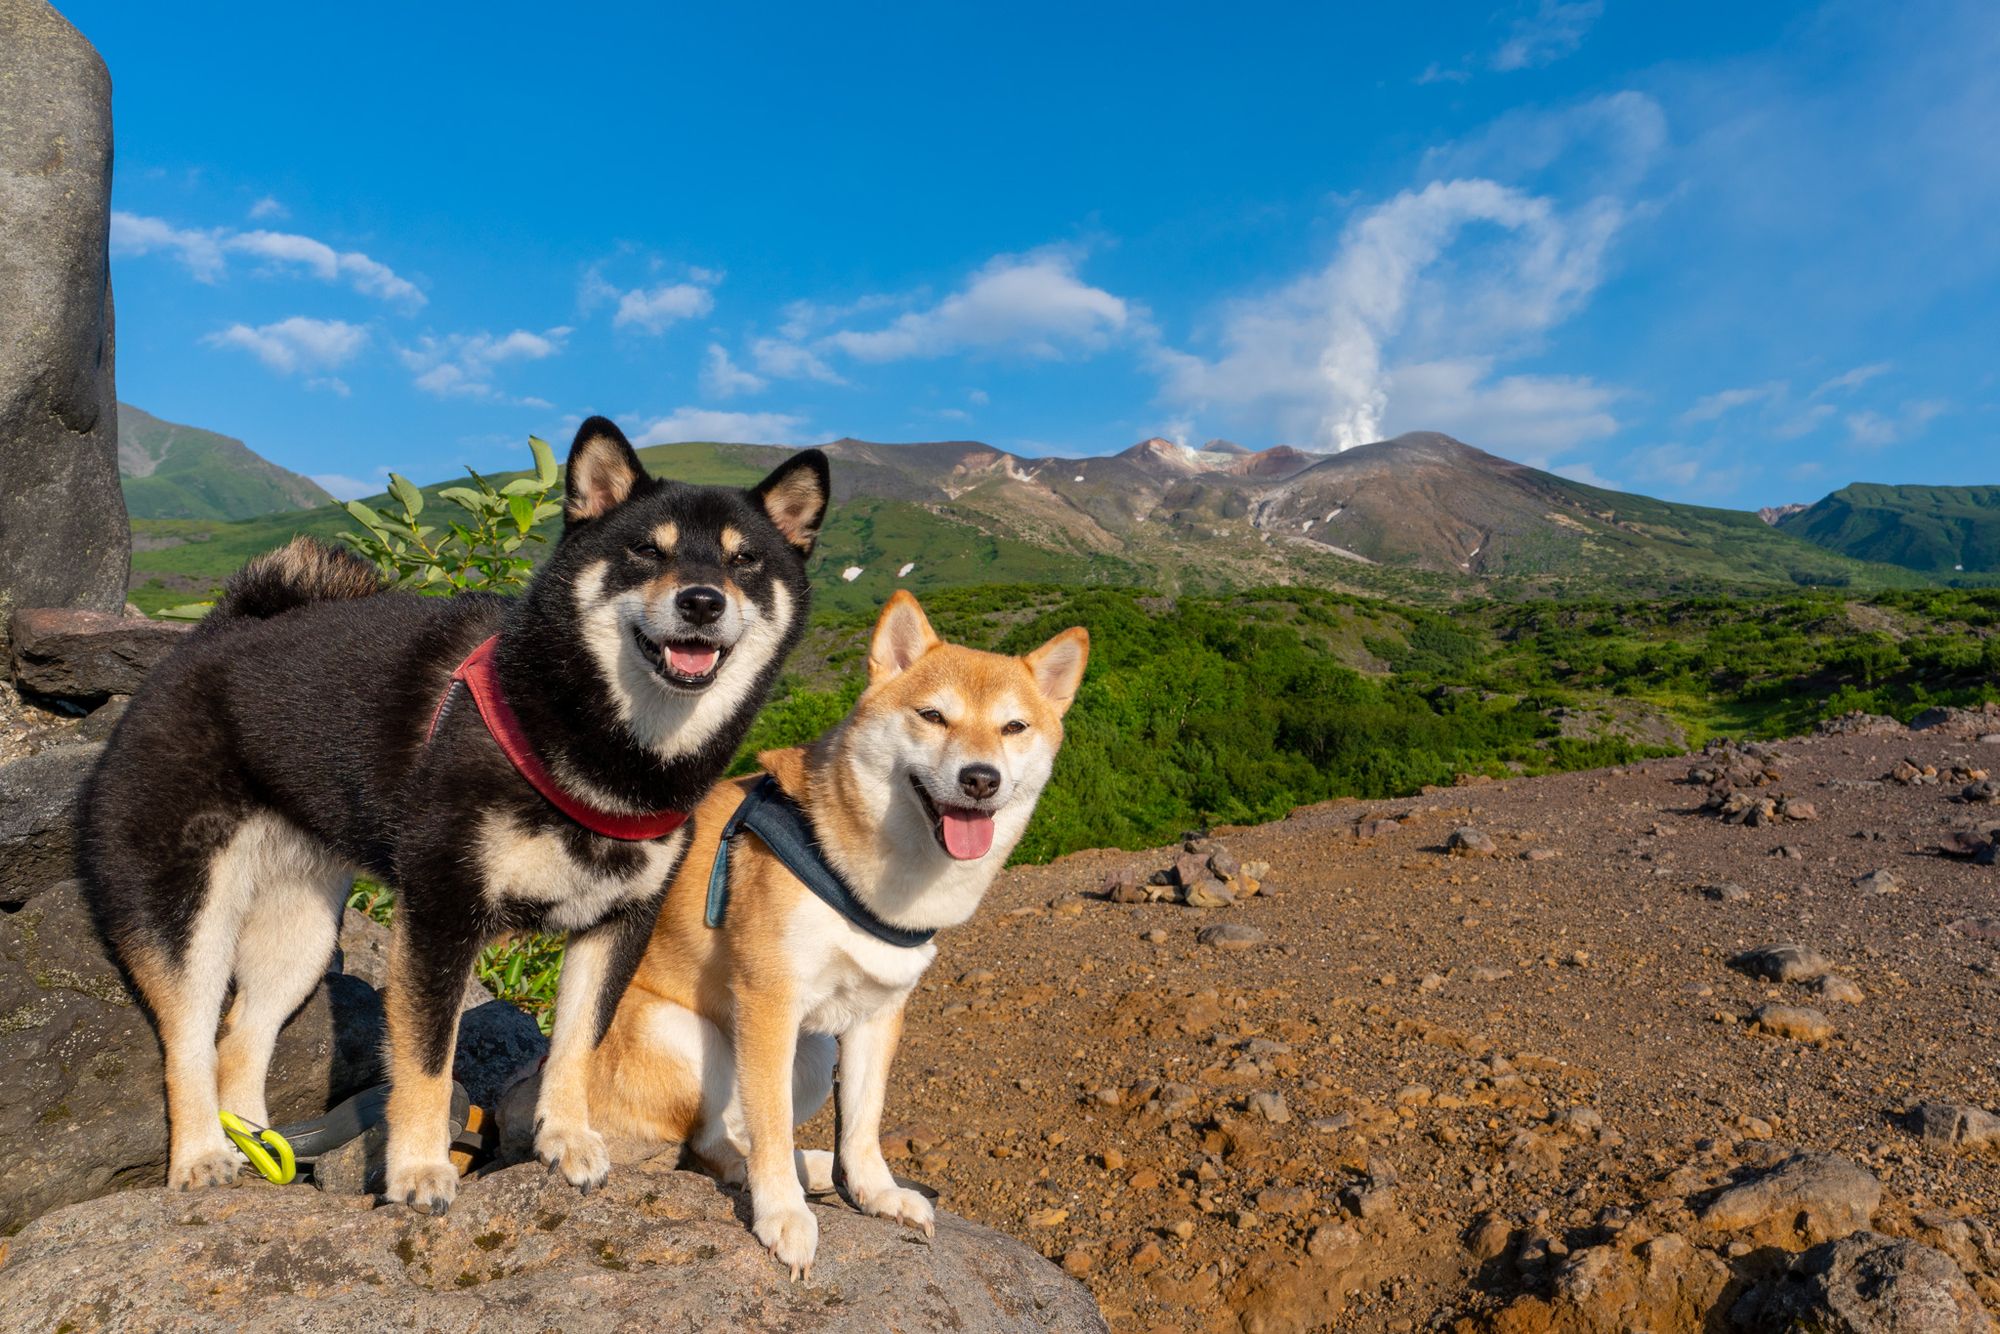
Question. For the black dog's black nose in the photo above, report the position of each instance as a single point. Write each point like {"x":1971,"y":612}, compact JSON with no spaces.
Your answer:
{"x":699,"y":605}
{"x":979,"y":781}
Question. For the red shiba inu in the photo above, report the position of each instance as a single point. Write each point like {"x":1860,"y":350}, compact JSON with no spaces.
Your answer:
{"x":800,"y":922}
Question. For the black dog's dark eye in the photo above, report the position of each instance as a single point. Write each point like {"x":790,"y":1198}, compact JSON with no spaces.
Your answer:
{"x":646,"y":550}
{"x":744,"y":559}
{"x":932,"y":716}
{"x":1014,"y":728}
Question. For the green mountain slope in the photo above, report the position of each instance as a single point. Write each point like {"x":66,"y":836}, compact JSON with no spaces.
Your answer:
{"x":170,"y":471}
{"x":1937,"y":529}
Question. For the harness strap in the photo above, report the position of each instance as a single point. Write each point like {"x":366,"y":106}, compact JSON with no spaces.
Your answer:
{"x":481,"y":678}
{"x":778,"y":821}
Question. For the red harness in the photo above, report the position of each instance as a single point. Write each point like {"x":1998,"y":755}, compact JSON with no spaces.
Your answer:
{"x":482,"y":678}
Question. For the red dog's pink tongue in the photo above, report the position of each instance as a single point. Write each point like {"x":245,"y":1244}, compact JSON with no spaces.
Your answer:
{"x":692,"y":659}
{"x":968,"y":835}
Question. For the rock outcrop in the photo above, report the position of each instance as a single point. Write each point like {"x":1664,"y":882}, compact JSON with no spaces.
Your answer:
{"x":64,"y":540}
{"x":520,"y":1250}
{"x":88,"y":656}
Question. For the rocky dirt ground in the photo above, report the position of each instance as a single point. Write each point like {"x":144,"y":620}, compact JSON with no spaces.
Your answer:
{"x":1501,"y":1090}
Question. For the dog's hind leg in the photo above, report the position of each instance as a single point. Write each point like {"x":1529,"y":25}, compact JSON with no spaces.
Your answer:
{"x":186,"y":996}
{"x":282,"y":951}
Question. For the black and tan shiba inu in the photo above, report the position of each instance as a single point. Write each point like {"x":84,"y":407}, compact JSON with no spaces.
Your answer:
{"x":507,"y":764}
{"x":812,"y":925}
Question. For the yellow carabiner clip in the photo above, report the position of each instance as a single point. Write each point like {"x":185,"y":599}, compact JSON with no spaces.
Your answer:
{"x":279,"y":1170}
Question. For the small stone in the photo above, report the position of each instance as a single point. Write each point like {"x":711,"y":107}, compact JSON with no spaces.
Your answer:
{"x":1146,"y":1257}
{"x":1431,"y":982}
{"x":1863,"y":1284}
{"x":1223,"y":863}
{"x":977,"y":977}
{"x":1487,"y":973}
{"x":1156,"y":936}
{"x":1270,"y":1106}
{"x":1984,"y":793}
{"x":1787,"y":852}
{"x":1285,"y":1201}
{"x":1469,"y":842}
{"x":1793,"y":1021}
{"x":1376,"y":828}
{"x":1077,"y":1261}
{"x":1839,"y":990}
{"x":1783,"y":963}
{"x":1330,"y":1239}
{"x":1112,"y":1160}
{"x":1183,"y":1229}
{"x":1208,"y":893}
{"x":1230,"y":936}
{"x":1540,"y":855}
{"x":1791,"y":808}
{"x":1878,"y":882}
{"x":1725,"y":892}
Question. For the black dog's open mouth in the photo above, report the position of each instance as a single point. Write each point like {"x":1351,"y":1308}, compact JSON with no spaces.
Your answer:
{"x":964,"y":832}
{"x":688,"y":664}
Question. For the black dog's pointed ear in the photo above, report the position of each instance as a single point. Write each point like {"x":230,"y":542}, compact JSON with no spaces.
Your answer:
{"x":795,"y":497}
{"x":603,"y":471}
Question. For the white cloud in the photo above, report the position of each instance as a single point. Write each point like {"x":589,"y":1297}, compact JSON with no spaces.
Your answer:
{"x":200,"y":251}
{"x":654,"y":309}
{"x":296,"y":344}
{"x":268,"y":207}
{"x":787,"y":360}
{"x":1699,"y":472}
{"x":464,"y":365}
{"x":1033,"y":304}
{"x":1556,"y":29}
{"x":346,"y":488}
{"x":205,"y":252}
{"x":979,"y":398}
{"x":747,"y":428}
{"x":723,"y":378}
{"x":1452,"y":275}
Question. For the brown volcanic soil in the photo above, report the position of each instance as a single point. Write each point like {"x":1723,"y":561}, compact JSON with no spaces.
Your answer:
{"x":1613,"y":994}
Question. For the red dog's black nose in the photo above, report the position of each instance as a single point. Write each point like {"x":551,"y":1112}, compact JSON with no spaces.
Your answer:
{"x":979,"y":781}
{"x":699,"y":605}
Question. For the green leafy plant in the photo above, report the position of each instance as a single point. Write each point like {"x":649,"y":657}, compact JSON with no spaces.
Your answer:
{"x":483,"y":551}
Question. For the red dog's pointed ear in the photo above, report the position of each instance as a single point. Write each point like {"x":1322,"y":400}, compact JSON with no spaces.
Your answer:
{"x":902,"y":635}
{"x":603,"y":471}
{"x":1057,"y":667}
{"x":795,"y":497}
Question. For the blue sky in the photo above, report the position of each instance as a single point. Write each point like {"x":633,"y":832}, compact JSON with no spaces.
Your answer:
{"x":1733,"y":253}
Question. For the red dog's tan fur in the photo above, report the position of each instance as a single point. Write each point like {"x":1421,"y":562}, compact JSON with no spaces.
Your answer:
{"x":725,"y":1039}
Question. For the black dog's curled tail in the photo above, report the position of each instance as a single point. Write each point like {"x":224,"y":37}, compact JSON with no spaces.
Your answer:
{"x":302,"y":571}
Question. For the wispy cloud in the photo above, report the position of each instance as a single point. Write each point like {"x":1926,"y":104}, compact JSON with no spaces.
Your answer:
{"x":342,"y":487}
{"x":723,"y":378}
{"x":462,"y":365}
{"x":747,"y":428}
{"x":1713,"y":406}
{"x":205,"y":254}
{"x":268,"y":208}
{"x":786,"y":360}
{"x":1031,"y":305}
{"x":298,"y":344}
{"x":1869,"y":429}
{"x":1556,"y":29}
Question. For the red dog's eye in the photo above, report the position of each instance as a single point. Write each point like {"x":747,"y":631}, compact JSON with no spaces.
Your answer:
{"x":932,"y":716}
{"x":1015,"y":728}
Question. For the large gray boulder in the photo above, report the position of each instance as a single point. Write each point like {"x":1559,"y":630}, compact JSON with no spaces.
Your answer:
{"x":1865,"y":1284}
{"x":64,"y":540}
{"x":519,"y":1251}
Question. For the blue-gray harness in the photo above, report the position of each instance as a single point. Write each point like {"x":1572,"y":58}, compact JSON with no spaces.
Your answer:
{"x":780,"y":822}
